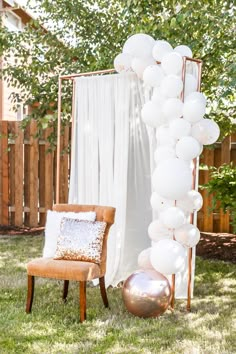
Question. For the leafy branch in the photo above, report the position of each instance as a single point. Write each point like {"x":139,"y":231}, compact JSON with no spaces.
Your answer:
{"x":222,"y":186}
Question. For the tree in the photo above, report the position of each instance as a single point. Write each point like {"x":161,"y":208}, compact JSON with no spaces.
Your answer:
{"x":87,"y":35}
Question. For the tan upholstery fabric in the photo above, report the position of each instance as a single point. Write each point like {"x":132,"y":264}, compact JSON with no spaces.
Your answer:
{"x":75,"y":270}
{"x":103,"y":213}
{"x":65,"y":270}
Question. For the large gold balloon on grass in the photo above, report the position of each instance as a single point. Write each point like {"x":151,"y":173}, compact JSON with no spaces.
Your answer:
{"x":146,"y":293}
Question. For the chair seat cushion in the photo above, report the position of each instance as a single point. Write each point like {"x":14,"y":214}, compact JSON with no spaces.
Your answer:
{"x":63,"y":269}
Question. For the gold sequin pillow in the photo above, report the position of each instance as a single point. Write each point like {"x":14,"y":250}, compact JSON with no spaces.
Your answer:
{"x":80,"y":240}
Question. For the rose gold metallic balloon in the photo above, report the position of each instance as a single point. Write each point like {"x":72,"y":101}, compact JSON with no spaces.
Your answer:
{"x":146,"y":293}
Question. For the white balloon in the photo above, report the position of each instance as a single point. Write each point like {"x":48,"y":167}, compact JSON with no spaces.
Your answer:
{"x":153,"y":75}
{"x":196,"y":96}
{"x":168,"y":257}
{"x":164,"y":138}
{"x":163,"y":130}
{"x":144,"y":261}
{"x":157,"y":96}
{"x":188,"y":235}
{"x":160,"y":49}
{"x":206,"y":131}
{"x":163,"y":153}
{"x":193,"y":110}
{"x":187,"y":148}
{"x":173,"y":108}
{"x":153,"y":243}
{"x":171,"y":86}
{"x":157,"y":231}
{"x":172,"y":179}
{"x":179,"y":127}
{"x":172,"y":217}
{"x":139,"y":45}
{"x":172,"y":63}
{"x":190,"y":84}
{"x":139,"y":65}
{"x":191,"y":203}
{"x":159,"y":203}
{"x":184,"y":50}
{"x":151,"y":114}
{"x":122,"y":63}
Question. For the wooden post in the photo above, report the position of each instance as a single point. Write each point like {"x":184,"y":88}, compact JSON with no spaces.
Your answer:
{"x":58,"y":142}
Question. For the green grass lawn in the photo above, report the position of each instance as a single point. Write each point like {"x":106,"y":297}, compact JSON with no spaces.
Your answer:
{"x":54,"y":327}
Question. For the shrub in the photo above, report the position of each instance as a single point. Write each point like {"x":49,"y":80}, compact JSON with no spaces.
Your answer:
{"x":222,"y":185}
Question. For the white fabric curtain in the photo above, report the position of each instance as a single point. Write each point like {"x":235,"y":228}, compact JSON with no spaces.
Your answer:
{"x":112,"y":162}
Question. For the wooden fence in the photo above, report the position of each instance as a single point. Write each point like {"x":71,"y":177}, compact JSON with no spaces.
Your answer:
{"x":28,"y":174}
{"x":224,"y":152}
{"x":28,"y":177}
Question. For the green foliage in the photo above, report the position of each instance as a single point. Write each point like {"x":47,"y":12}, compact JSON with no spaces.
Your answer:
{"x":222,"y":185}
{"x":53,"y":326}
{"x":87,"y":35}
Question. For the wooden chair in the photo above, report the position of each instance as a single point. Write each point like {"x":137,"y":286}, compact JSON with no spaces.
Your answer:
{"x":73,"y":270}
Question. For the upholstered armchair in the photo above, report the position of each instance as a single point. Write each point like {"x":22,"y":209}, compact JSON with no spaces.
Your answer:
{"x":75,"y":270}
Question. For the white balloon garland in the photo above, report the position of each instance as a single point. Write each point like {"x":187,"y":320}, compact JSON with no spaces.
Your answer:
{"x":181,"y":130}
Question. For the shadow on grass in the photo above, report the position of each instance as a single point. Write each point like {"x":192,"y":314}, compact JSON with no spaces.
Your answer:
{"x":54,"y":327}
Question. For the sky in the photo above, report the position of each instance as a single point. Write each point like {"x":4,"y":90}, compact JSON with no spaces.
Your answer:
{"x":22,"y":2}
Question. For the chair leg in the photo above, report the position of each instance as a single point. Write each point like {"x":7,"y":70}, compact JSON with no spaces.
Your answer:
{"x":30,"y":293}
{"x":82,"y":292}
{"x":103,"y":291}
{"x":65,"y":289}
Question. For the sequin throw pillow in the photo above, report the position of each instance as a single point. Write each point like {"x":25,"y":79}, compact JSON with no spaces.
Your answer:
{"x":52,"y":227}
{"x":80,"y":240}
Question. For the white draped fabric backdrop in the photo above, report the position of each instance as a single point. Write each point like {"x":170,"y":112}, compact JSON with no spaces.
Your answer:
{"x":112,"y":163}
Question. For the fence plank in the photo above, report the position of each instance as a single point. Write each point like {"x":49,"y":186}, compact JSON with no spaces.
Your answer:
{"x":225,"y":158}
{"x":49,"y":172}
{"x":18,"y":176}
{"x":11,"y":155}
{"x":64,"y":167}
{"x":45,"y":177}
{"x":200,"y":182}
{"x":42,"y":179}
{"x":208,"y":159}
{"x":33,"y":175}
{"x":4,"y":178}
{"x":26,"y":174}
{"x":1,"y":167}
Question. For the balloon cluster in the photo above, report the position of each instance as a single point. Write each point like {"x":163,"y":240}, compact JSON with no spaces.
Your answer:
{"x":176,"y":110}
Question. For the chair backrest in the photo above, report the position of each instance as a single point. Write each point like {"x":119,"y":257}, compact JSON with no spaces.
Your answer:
{"x":103,"y":213}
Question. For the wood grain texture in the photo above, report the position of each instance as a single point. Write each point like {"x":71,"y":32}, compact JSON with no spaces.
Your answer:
{"x":33,"y":175}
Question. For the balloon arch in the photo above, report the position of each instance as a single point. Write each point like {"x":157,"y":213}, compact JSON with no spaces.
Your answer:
{"x":176,"y":110}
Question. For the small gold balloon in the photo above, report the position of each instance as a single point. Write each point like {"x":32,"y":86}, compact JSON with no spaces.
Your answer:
{"x":146,"y":293}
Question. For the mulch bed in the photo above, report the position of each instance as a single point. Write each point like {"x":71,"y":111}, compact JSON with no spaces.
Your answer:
{"x":220,"y":246}
{"x":15,"y":230}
